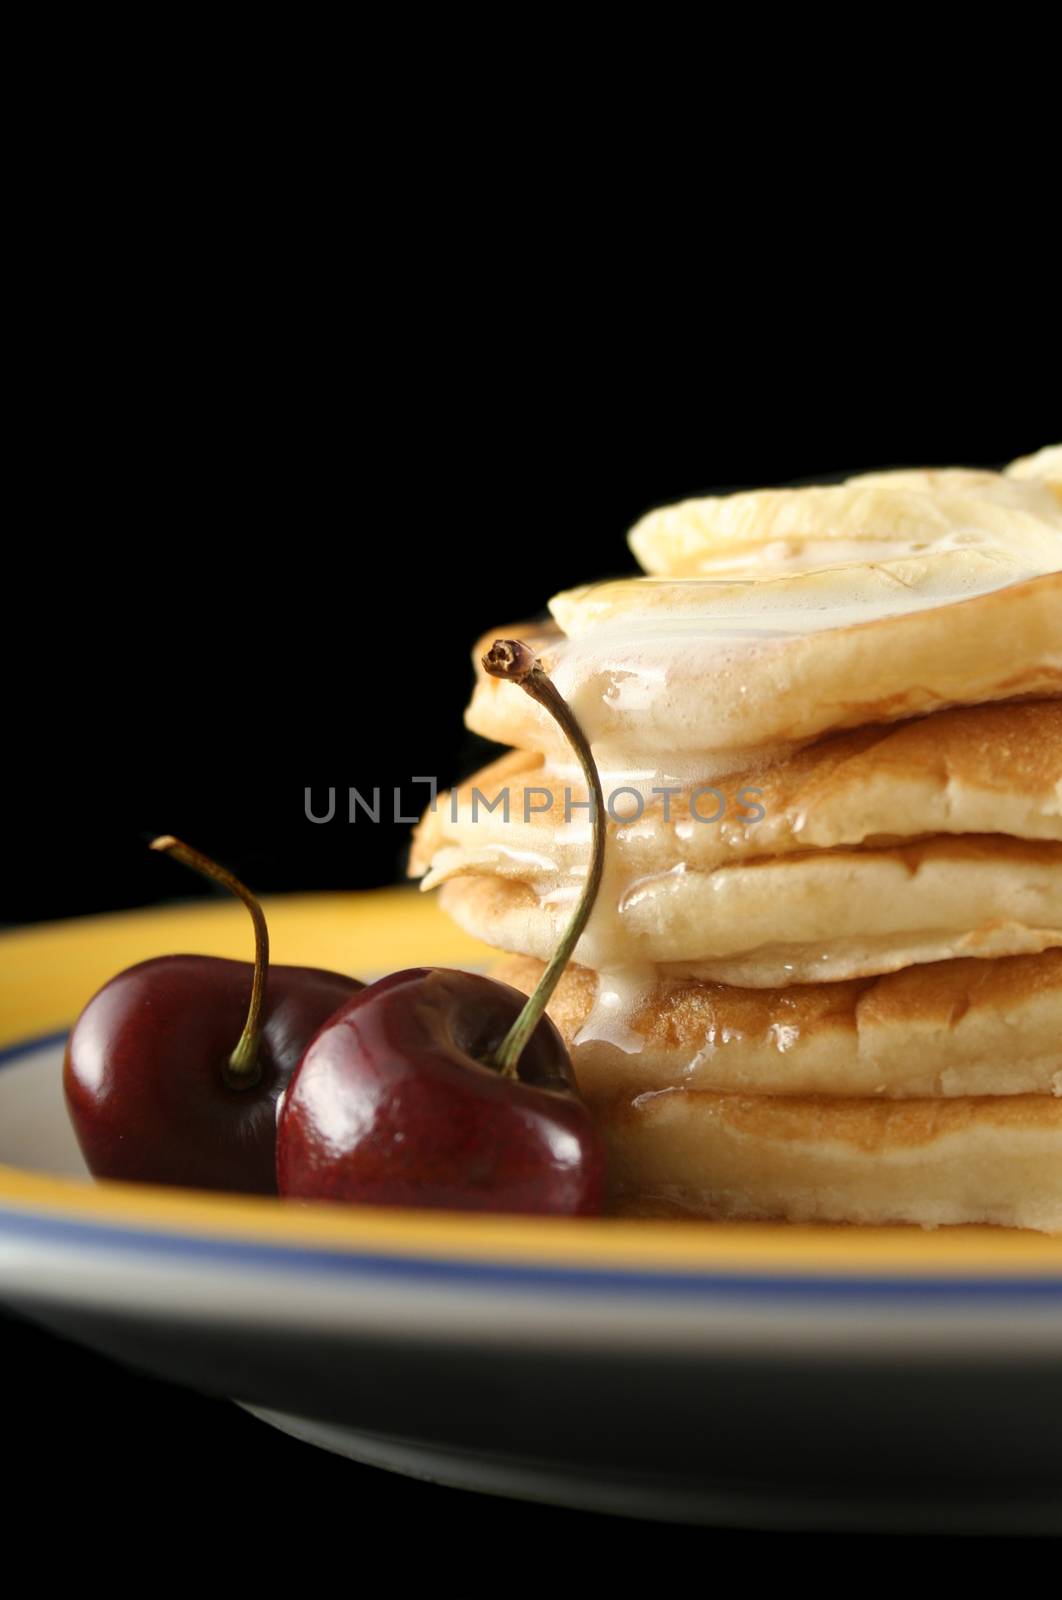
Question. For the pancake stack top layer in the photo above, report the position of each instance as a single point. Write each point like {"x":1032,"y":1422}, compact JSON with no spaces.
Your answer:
{"x":829,"y":725}
{"x":773,"y":617}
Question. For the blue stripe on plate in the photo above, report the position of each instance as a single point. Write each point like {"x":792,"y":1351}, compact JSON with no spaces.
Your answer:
{"x":485,"y":1274}
{"x":30,"y":1047}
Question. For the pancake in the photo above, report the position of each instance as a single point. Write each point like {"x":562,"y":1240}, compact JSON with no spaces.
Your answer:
{"x":771,"y":922}
{"x":877,"y":517}
{"x":929,"y":1162}
{"x":956,"y":1028}
{"x":983,"y":769}
{"x":1045,"y":466}
{"x":682,"y":681}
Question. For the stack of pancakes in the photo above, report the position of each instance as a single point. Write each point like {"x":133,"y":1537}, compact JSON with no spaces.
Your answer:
{"x":823,"y":977}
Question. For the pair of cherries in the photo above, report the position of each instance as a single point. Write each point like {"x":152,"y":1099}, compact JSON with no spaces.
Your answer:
{"x":428,"y":1088}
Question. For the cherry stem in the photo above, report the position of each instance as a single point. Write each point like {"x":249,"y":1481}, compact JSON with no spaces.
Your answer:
{"x":517,"y":663}
{"x":242,"y":1069}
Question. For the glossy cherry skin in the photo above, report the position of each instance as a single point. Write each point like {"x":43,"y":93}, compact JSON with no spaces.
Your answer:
{"x":392,"y":1105}
{"x":144,"y":1070}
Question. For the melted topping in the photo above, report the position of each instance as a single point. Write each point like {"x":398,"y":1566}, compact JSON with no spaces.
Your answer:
{"x":738,"y":578}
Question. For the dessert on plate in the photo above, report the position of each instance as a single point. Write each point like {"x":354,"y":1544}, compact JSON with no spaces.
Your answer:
{"x":822,"y":980}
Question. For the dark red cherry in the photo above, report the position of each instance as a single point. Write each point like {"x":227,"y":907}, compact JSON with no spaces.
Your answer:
{"x":146,"y":1070}
{"x":437,"y":1088}
{"x":396,"y":1103}
{"x":173,"y":1070}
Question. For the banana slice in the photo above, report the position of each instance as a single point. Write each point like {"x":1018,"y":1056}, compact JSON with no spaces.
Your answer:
{"x":1045,"y":466}
{"x":931,"y":480}
{"x":877,"y":517}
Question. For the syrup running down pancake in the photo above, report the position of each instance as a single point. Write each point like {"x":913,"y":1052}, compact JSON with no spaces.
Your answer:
{"x":823,"y":977}
{"x":867,"y":853}
{"x":978,"y":769}
{"x":954,"y":1028}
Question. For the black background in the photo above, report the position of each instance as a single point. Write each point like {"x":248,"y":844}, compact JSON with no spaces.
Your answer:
{"x":261,"y":545}
{"x":260,"y":577}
